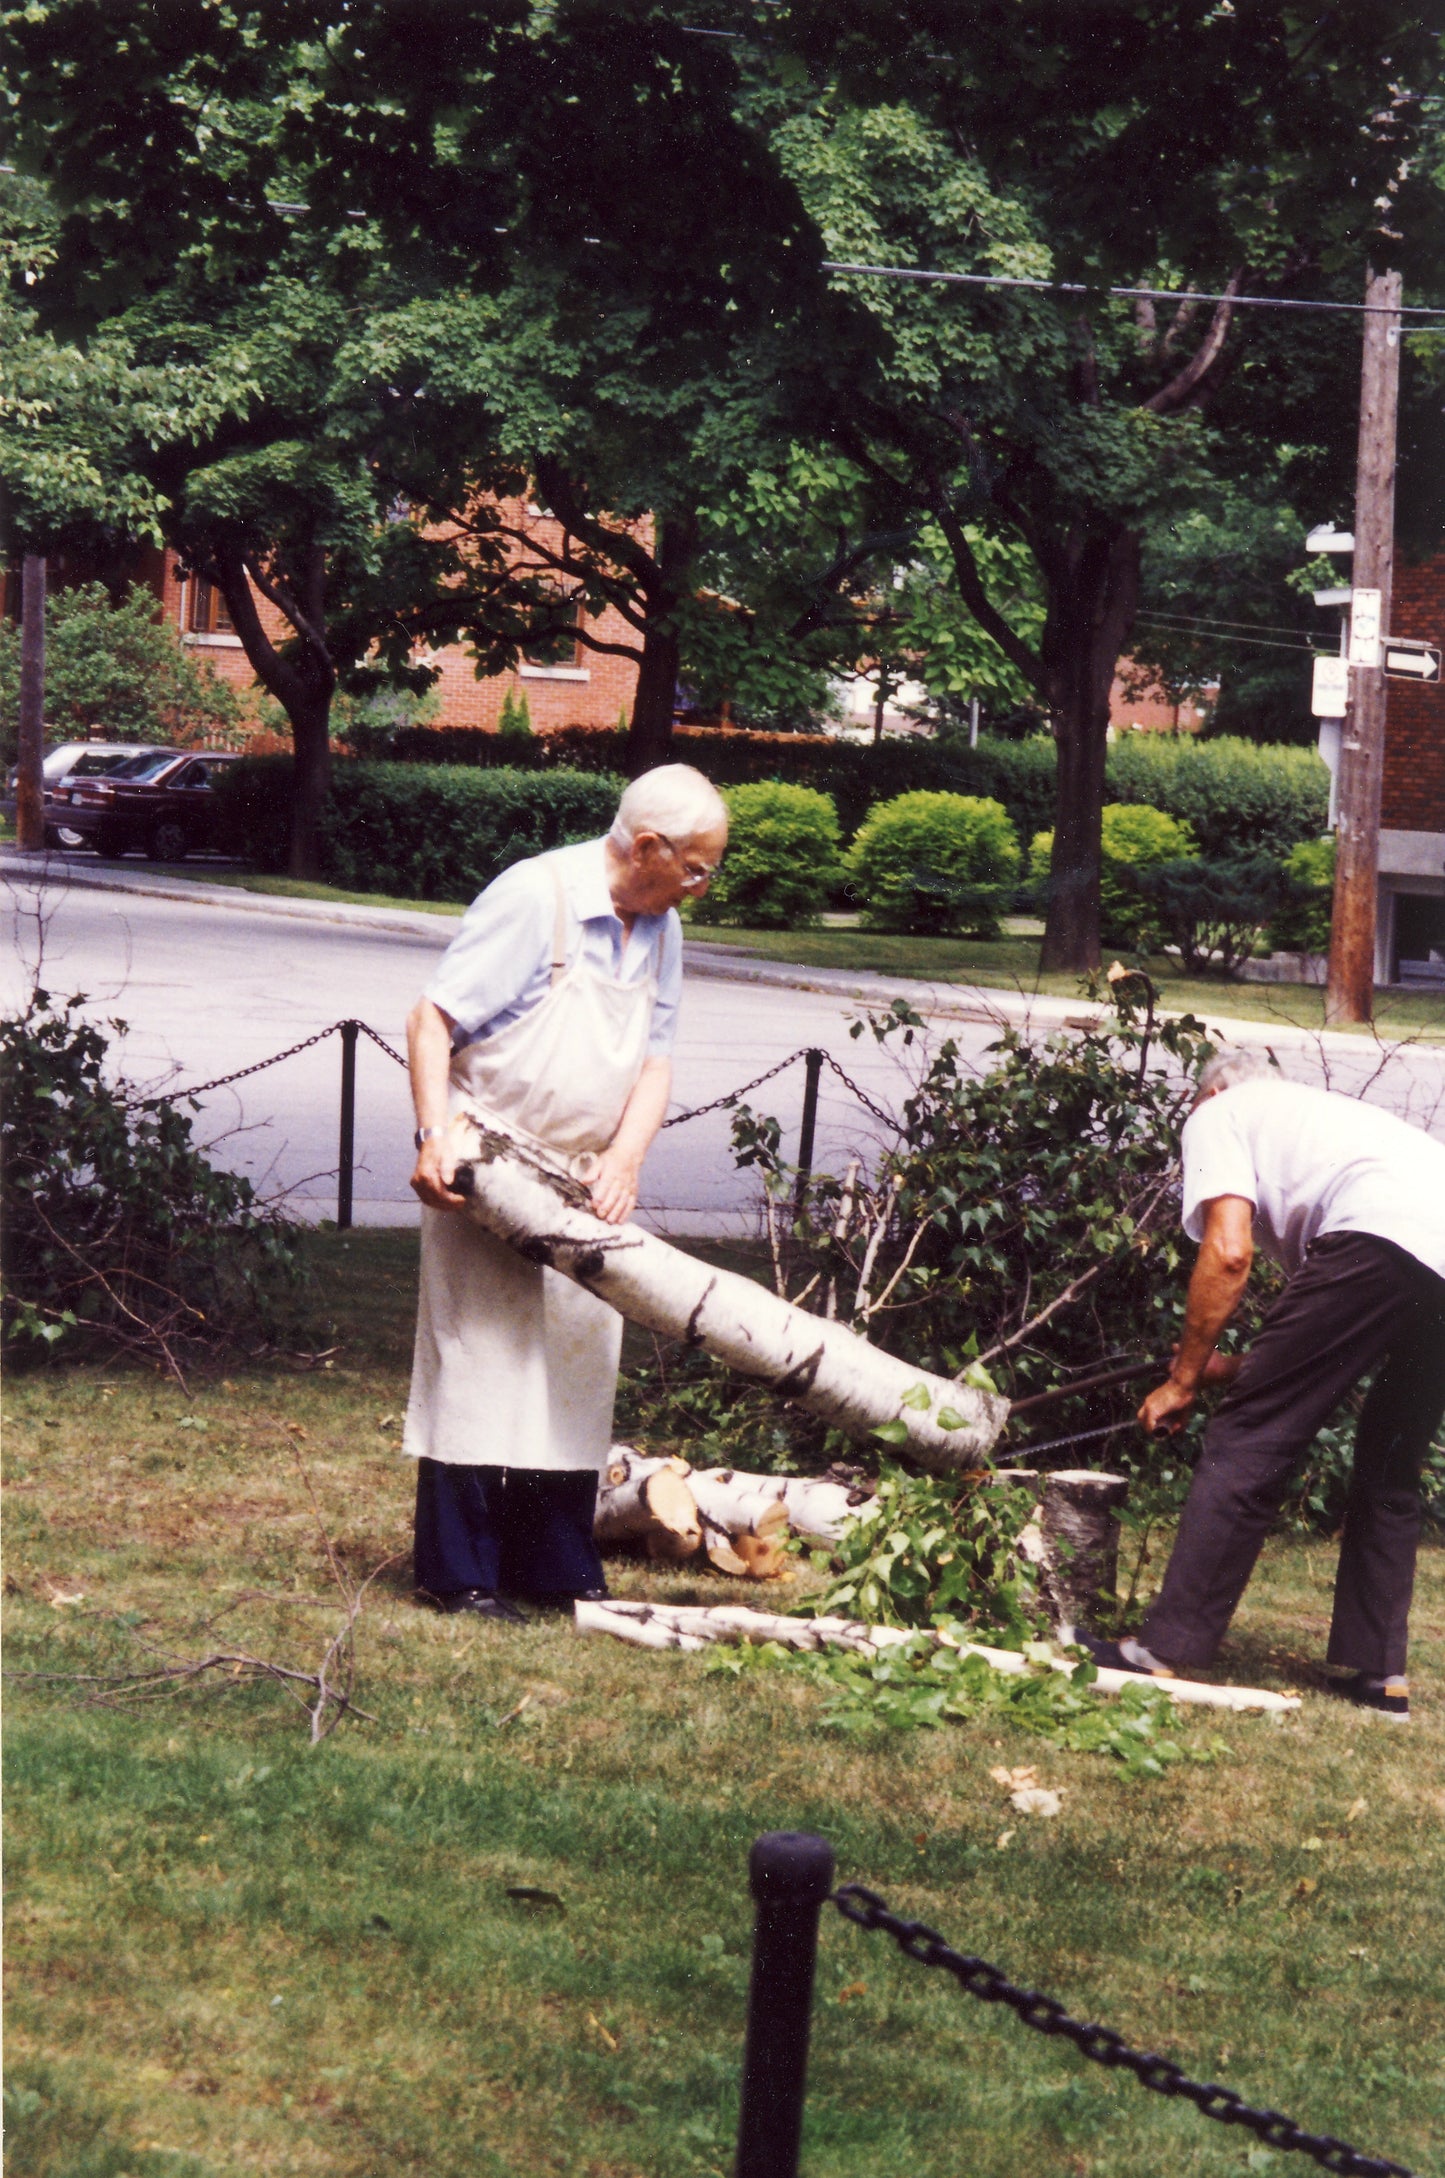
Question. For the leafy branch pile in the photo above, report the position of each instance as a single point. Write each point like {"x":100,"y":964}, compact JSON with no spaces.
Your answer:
{"x":117,"y":1229}
{"x":918,"y":1685}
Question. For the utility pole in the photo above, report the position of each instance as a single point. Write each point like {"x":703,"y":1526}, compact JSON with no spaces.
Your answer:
{"x":30,"y":753}
{"x":1350,"y":992}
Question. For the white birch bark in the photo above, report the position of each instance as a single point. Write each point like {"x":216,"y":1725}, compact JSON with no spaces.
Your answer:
{"x":691,"y":1626}
{"x":543,"y":1213}
{"x":648,"y":1502}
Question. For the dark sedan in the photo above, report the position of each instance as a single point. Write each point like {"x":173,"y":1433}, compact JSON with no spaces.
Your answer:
{"x":165,"y":809}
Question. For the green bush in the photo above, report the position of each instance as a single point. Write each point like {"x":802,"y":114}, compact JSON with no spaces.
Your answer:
{"x":1236,"y":796}
{"x":782,"y":856}
{"x":515,"y":719}
{"x":116,"y":671}
{"x":433,"y":834}
{"x":1216,"y":912}
{"x":116,"y":1227}
{"x":935,"y":862}
{"x":1303,"y":924}
{"x":1134,"y":837}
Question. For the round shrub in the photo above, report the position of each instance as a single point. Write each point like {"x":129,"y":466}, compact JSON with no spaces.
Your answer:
{"x":935,"y":862}
{"x":1134,"y":837}
{"x":782,"y":856}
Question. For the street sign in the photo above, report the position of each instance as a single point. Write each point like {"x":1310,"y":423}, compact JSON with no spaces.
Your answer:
{"x":1365,"y":628}
{"x":1406,"y":660}
{"x":1330,"y":694}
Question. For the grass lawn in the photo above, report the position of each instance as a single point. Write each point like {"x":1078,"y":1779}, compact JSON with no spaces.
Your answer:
{"x":504,"y":1928}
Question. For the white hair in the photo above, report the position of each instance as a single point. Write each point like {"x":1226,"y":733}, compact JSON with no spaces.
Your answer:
{"x":1227,"y":1068}
{"x":672,"y":799}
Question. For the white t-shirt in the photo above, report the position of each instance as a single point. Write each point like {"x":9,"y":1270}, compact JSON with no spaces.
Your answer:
{"x":1314,"y":1162}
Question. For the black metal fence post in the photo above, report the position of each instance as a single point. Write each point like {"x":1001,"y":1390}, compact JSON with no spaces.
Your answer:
{"x":790,"y":1873}
{"x":813,"y":1073}
{"x":350,"y":1031}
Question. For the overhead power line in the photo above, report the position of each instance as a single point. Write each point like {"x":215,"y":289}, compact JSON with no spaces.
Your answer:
{"x":1303,"y":649}
{"x":1144,"y":294}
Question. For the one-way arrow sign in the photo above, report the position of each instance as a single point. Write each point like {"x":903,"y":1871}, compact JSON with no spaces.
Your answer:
{"x":1409,"y":661}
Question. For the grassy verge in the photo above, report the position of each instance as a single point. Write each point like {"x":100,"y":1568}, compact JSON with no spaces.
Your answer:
{"x":296,"y":888}
{"x":504,"y":1928}
{"x":1012,"y":963}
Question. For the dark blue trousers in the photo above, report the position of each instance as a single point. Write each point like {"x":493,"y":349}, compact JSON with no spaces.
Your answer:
{"x":523,"y":1531}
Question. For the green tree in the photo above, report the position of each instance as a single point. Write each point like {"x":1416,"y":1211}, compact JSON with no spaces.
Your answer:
{"x":1079,"y":423}
{"x":113,"y":669}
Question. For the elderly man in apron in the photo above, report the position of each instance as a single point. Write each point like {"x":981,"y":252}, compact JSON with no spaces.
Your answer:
{"x":552,"y":1011}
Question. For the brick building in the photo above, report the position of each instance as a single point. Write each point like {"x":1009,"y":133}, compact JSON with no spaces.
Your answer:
{"x":1410,"y":923}
{"x":573,"y":685}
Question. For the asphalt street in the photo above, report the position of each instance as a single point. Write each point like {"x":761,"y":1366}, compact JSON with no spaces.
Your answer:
{"x":208,"y":989}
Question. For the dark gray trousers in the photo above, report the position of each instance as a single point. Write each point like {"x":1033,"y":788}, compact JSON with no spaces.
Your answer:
{"x":1356,"y":1304}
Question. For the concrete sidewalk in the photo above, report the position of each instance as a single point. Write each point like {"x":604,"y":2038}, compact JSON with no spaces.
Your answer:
{"x":704,"y":957}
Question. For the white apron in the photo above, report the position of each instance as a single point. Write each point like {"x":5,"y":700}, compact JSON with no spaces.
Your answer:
{"x":515,"y":1366}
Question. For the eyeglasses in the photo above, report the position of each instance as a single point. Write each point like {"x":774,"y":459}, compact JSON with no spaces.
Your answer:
{"x":695,"y":875}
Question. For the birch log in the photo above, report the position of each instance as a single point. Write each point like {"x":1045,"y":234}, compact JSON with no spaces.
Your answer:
{"x":544,"y":1214}
{"x":693,"y":1626}
{"x":744,"y":1522}
{"x":647,"y":1502}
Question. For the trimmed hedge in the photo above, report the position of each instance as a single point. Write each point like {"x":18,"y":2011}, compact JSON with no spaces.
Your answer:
{"x":436,"y":834}
{"x":782,"y":857}
{"x":1234,"y":795}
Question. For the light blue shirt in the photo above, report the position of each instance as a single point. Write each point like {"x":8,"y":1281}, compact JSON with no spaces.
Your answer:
{"x":499,"y":964}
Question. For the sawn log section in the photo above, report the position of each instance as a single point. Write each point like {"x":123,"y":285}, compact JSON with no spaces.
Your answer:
{"x":544,"y":1214}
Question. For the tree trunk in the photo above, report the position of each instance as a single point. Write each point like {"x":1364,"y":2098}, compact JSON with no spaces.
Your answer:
{"x":303,"y":681}
{"x":311,"y":782}
{"x":649,"y":739}
{"x":542,"y":1213}
{"x":1093,"y":594}
{"x":30,"y":754}
{"x":697,"y":1626}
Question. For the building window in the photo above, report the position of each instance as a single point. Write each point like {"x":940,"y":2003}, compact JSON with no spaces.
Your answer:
{"x":206,"y":612}
{"x":561,"y":652}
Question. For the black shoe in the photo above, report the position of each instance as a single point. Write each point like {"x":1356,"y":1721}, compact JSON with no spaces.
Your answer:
{"x":1110,"y":1657}
{"x":562,"y":1599}
{"x":1391,"y":1697}
{"x":478,"y":1603}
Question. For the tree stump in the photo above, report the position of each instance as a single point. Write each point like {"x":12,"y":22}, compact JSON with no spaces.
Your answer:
{"x":1079,"y":1524}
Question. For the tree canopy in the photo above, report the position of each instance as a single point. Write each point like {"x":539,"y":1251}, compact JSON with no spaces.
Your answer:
{"x":593,"y":252}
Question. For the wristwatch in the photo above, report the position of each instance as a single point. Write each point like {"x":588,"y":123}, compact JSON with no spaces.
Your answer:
{"x":426,"y":1134}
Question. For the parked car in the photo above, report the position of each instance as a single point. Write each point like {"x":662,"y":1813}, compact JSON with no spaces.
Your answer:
{"x":163,"y":807}
{"x":72,"y":760}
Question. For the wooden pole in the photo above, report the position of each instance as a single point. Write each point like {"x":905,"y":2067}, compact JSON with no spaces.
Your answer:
{"x":1350,"y":991}
{"x":30,"y":753}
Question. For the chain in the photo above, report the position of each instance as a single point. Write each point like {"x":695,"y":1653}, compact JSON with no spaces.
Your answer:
{"x":223,"y":1081}
{"x":723,"y":1104}
{"x":863,"y":1098}
{"x":1102,"y":2045}
{"x":379,"y":1041}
